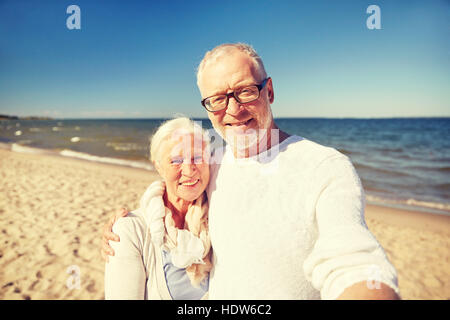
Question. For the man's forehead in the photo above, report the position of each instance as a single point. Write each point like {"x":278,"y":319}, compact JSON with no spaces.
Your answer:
{"x":228,"y":72}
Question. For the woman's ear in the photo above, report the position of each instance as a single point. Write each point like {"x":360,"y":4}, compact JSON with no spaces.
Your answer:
{"x":157,"y":167}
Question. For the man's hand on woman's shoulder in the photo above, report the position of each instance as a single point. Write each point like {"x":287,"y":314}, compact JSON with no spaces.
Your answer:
{"x":107,"y":234}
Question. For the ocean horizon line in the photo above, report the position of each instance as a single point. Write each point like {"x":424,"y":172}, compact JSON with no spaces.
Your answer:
{"x":30,"y":118}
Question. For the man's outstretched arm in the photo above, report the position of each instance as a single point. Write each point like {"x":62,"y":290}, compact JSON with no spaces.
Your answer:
{"x":361,"y":291}
{"x":346,"y":258}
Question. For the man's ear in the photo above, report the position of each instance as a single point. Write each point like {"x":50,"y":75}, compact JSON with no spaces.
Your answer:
{"x":270,"y":90}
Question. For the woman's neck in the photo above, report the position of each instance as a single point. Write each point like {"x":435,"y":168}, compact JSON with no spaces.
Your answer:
{"x":178,"y":207}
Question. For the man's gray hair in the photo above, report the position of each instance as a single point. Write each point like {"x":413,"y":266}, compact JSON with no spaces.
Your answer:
{"x":214,"y":54}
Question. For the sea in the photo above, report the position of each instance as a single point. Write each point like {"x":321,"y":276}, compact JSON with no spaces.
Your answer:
{"x":402,"y":162}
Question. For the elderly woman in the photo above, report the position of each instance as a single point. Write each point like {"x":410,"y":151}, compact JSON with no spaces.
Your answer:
{"x":164,"y":250}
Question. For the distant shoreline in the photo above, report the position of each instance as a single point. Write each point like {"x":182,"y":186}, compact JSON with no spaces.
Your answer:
{"x":7,"y":117}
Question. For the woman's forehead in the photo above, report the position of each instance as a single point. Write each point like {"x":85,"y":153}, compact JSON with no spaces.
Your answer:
{"x":188,"y":139}
{"x":187,"y":143}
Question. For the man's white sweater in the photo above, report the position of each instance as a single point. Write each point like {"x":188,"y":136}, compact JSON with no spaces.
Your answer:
{"x":289,"y":224}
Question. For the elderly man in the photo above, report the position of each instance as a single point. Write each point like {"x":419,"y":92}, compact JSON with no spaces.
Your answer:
{"x":286,"y":214}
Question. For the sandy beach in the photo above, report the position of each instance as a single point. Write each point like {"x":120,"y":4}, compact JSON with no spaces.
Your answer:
{"x":52,"y":210}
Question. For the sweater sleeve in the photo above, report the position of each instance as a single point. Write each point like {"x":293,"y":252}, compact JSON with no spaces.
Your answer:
{"x":345,"y":251}
{"x":125,"y":275}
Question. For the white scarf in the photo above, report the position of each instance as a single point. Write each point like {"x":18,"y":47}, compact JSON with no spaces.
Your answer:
{"x":186,"y":247}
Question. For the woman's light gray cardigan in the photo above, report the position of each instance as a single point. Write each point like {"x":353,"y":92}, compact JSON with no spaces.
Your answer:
{"x":136,"y":271}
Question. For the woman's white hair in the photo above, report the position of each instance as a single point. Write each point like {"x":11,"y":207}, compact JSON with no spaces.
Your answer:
{"x":223,"y":49}
{"x":171,"y":129}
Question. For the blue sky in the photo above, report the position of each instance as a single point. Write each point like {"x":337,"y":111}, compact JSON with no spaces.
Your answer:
{"x":137,"y":59}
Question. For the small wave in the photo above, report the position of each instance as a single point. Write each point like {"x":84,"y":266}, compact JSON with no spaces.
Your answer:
{"x":24,"y":142}
{"x":125,"y":146}
{"x":429,"y":168}
{"x":23,"y":149}
{"x":116,"y":161}
{"x":35,"y":129}
{"x":434,"y":205}
{"x":411,"y":202}
{"x":360,"y":166}
{"x":75,"y":139}
{"x":346,"y":152}
{"x":18,"y":133}
{"x":387,"y":149}
{"x":56,"y":129}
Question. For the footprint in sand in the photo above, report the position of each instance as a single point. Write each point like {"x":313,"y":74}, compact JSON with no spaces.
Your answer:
{"x":91,"y":287}
{"x":48,"y":251}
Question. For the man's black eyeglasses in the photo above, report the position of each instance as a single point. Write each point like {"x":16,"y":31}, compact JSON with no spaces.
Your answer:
{"x":242,"y":95}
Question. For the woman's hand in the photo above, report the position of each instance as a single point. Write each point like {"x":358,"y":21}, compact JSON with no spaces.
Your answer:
{"x":107,"y":234}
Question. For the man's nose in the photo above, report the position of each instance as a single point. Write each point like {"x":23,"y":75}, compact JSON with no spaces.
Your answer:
{"x":234,"y":107}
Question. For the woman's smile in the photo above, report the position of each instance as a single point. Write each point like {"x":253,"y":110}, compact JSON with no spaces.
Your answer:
{"x":190,"y":183}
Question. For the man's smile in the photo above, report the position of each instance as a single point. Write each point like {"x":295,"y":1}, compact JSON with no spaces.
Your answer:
{"x":239,"y":124}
